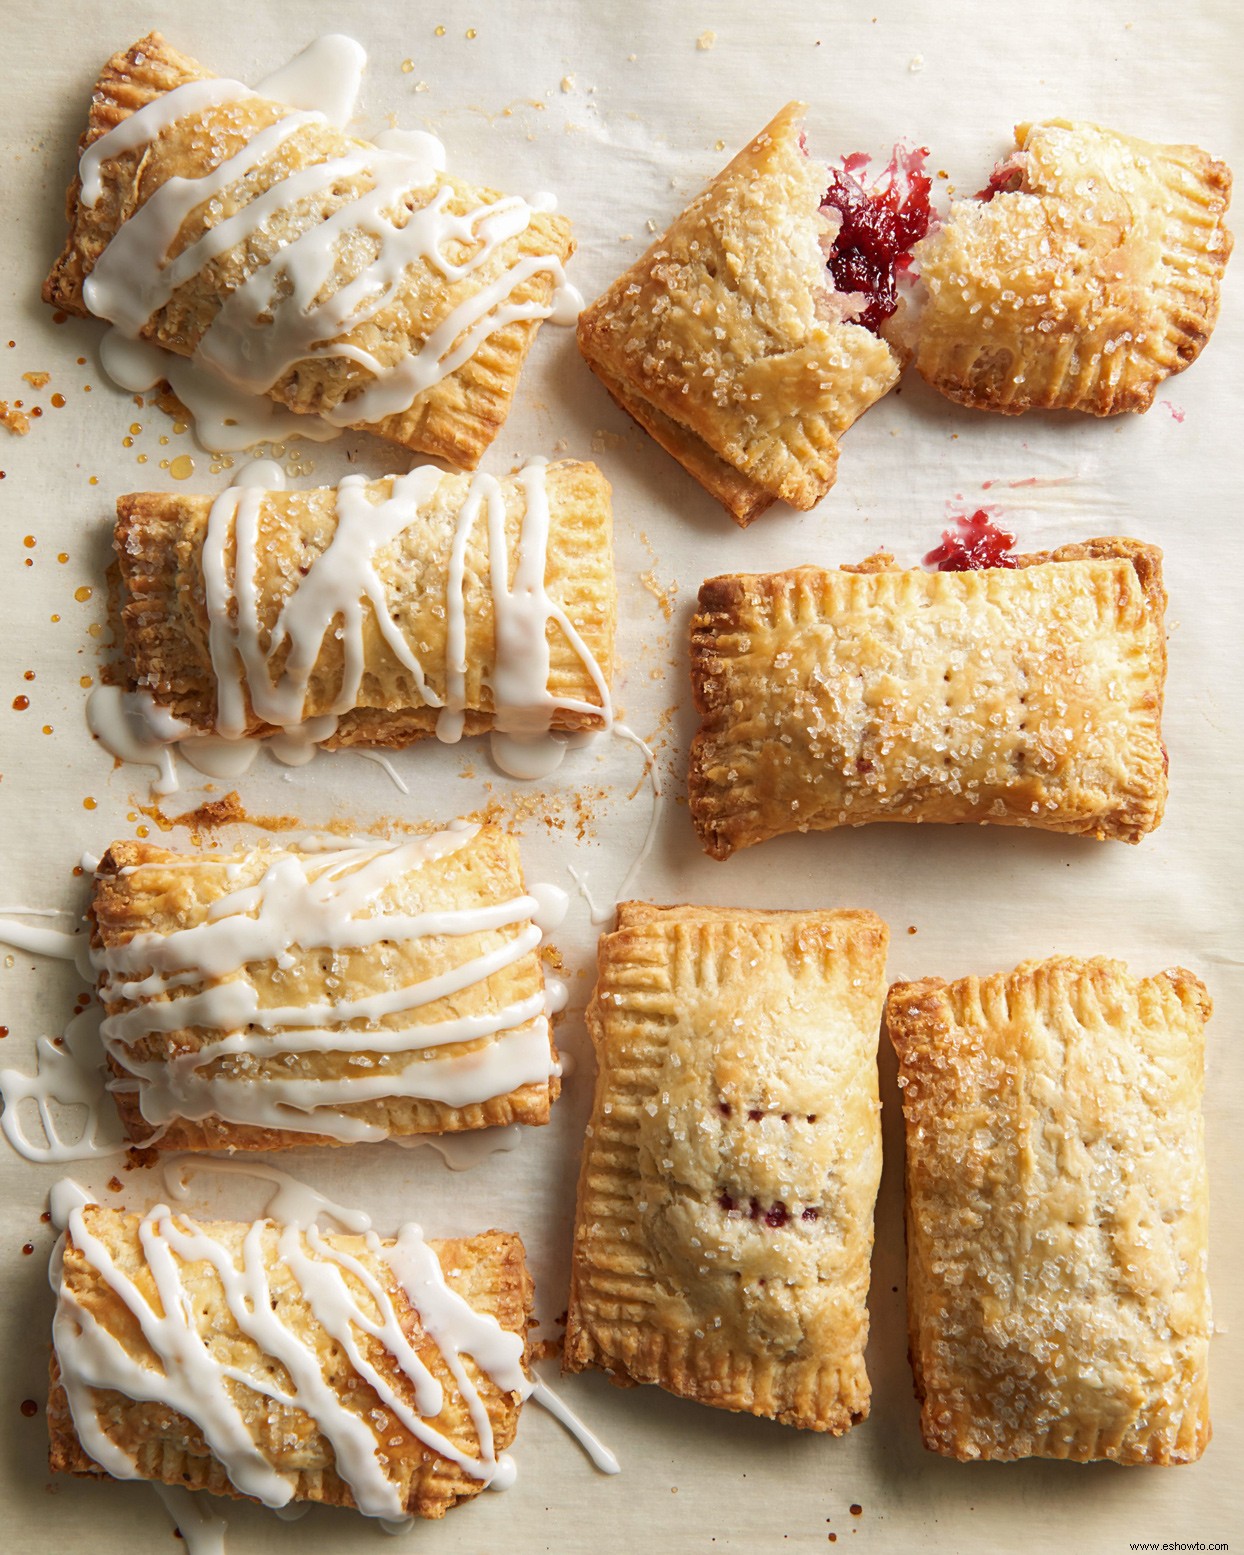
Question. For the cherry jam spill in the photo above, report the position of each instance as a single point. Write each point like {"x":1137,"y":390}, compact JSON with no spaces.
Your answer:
{"x":880,"y":227}
{"x":972,"y":542}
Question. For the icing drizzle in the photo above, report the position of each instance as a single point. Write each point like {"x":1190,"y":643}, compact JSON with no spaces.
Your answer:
{"x":351,"y":1304}
{"x":262,"y":674}
{"x":324,"y":900}
{"x":289,"y":310}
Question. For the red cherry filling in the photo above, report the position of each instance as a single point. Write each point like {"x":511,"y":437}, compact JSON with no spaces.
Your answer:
{"x":1005,"y":179}
{"x":971,"y":543}
{"x":880,"y":226}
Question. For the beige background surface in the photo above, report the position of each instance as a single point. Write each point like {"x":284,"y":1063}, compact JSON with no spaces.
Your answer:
{"x":619,"y":111}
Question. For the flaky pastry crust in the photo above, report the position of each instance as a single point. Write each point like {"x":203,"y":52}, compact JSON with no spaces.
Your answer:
{"x":159,"y":541}
{"x":725,"y":1213}
{"x":724,"y":342}
{"x":1088,"y":279}
{"x":1058,"y":1301}
{"x":455,"y":419}
{"x":143,"y":889}
{"x":1029,"y":696}
{"x":489,"y":1271}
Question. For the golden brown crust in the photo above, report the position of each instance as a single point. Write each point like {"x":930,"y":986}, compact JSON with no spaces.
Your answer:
{"x":489,"y":1271}
{"x":1018,"y":697}
{"x":455,"y":419}
{"x":1056,"y":1211}
{"x":143,"y":889}
{"x":724,"y":340}
{"x":724,"y":1222}
{"x":159,"y":541}
{"x":1088,"y":280}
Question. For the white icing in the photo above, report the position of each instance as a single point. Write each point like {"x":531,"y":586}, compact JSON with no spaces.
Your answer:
{"x":601,"y":912}
{"x":267,"y":474}
{"x":202,"y":1528}
{"x":77,"y":1122}
{"x":266,"y":675}
{"x":326,"y":76}
{"x":191,"y":1380}
{"x":289,"y":311}
{"x":461,"y":1152}
{"x":132,"y":726}
{"x":289,"y":1201}
{"x":329,"y":900}
{"x":596,"y":1450}
{"x":379,"y":759}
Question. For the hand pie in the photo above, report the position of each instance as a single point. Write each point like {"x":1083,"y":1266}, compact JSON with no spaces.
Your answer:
{"x":1083,"y":277}
{"x":1028,"y":695}
{"x":725,"y":1216}
{"x":384,"y":611}
{"x":727,"y":340}
{"x":274,"y":998}
{"x":281,"y":1364}
{"x":1056,"y":1211}
{"x":356,"y":282}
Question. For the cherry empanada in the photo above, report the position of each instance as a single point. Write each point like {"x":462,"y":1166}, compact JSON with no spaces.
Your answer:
{"x":724,"y":1227}
{"x":1020,"y":695}
{"x":1057,"y":1292}
{"x":1083,"y":276}
{"x":743,"y":340}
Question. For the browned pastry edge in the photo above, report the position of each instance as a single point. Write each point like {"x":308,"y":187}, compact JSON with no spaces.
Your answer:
{"x":432,"y":1497}
{"x":719,"y":598}
{"x":530,"y":1104}
{"x":914,"y":1022}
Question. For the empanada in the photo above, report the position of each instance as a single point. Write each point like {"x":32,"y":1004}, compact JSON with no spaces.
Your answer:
{"x":1083,"y":276}
{"x":725,"y":1216}
{"x":274,"y":998}
{"x":1017,"y":696}
{"x":1057,"y":1295}
{"x":727,"y":340}
{"x":385,"y":611}
{"x":355,"y":282}
{"x":282,"y":1364}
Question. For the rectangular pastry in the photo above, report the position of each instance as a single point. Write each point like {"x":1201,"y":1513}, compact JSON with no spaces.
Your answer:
{"x":1057,"y":1293}
{"x":1027,"y":695}
{"x":379,"y":611}
{"x":274,"y":998}
{"x":728,"y":341}
{"x":356,"y":282}
{"x":724,"y":1226}
{"x":282,"y":1364}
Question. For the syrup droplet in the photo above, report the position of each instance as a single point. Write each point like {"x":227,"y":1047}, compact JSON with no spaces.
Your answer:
{"x":82,"y":594}
{"x":182,"y":468}
{"x":28,"y":1248}
{"x":29,"y":542}
{"x":20,"y":704}
{"x":88,"y":803}
{"x":58,"y":400}
{"x":29,"y":1408}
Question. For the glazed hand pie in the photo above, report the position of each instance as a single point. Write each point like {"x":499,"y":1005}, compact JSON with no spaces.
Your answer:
{"x":376,"y":612}
{"x":1028,"y":695}
{"x":274,"y":998}
{"x":356,"y":282}
{"x":725,"y":1214}
{"x":282,"y":1364}
{"x":727,"y":340}
{"x":1083,"y":276}
{"x":1057,"y":1295}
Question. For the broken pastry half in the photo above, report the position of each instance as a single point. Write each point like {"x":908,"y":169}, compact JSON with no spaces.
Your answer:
{"x":281,"y":1364}
{"x":744,"y":339}
{"x":1057,"y":1293}
{"x":277,"y":997}
{"x":1023,"y":694}
{"x":724,"y":1228}
{"x":353,"y":281}
{"x":375,"y":613}
{"x":1085,"y":274}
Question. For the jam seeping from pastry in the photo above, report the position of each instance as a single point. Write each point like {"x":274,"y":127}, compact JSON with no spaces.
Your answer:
{"x":880,"y":226}
{"x":972,"y":542}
